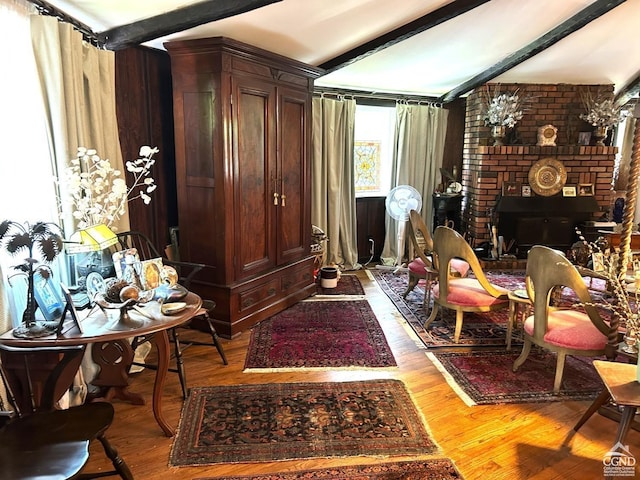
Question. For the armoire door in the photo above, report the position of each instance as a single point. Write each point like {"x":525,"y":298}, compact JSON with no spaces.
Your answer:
{"x":254,"y":176}
{"x":293,"y":219}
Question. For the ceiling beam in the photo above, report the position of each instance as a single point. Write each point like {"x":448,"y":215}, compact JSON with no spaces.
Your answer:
{"x":630,"y":90}
{"x":430,"y":20}
{"x":585,"y":16}
{"x":176,"y":21}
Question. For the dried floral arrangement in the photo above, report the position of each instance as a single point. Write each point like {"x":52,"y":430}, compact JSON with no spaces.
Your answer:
{"x":99,"y":193}
{"x":504,"y":109}
{"x":601,"y":110}
{"x":604,"y":264}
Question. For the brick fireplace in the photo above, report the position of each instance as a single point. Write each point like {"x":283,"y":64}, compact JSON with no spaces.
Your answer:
{"x":486,"y":167}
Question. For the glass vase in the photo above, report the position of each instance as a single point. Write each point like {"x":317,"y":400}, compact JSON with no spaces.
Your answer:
{"x":630,"y":343}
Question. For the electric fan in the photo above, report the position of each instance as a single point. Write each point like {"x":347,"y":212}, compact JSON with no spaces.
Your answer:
{"x":400,"y":201}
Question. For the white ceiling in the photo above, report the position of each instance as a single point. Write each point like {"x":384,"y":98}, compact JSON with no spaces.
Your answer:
{"x":431,"y":63}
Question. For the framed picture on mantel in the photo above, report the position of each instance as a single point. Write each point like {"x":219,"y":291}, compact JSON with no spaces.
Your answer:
{"x":568,"y":191}
{"x":510,"y":189}
{"x":585,"y":189}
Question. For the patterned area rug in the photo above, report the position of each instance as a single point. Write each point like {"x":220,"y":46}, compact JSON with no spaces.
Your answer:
{"x":484,"y":378}
{"x":437,"y":469}
{"x":478,"y":330}
{"x":348,"y":284}
{"x":282,"y":421}
{"x":320,"y":334}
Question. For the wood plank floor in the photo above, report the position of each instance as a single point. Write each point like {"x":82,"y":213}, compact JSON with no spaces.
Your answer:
{"x":526,"y":441}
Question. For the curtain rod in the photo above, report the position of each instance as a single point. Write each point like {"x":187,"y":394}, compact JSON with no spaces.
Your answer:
{"x":355,"y":94}
{"x":45,"y":8}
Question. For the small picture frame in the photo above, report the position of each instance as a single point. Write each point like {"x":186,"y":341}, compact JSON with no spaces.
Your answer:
{"x":585,"y":189}
{"x":119,"y":260}
{"x":569,"y":191}
{"x":584,"y":138}
{"x":69,"y":307}
{"x":47,"y":297}
{"x":510,"y":189}
{"x":526,"y":190}
{"x":151,"y":273}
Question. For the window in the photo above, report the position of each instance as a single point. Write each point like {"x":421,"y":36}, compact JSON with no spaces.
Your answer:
{"x":373,"y":147}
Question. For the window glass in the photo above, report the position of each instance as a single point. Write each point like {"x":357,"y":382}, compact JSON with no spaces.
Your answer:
{"x":373,"y":147}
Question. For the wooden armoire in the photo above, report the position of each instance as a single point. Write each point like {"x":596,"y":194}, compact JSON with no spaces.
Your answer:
{"x":243,"y":146}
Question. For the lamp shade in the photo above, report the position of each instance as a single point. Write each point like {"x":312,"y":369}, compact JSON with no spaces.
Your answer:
{"x":91,"y":239}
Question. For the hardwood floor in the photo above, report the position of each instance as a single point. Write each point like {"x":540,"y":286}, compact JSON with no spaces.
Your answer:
{"x":526,"y":441}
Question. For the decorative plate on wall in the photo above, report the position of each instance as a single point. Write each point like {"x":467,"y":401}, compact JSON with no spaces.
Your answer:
{"x":547,"y":176}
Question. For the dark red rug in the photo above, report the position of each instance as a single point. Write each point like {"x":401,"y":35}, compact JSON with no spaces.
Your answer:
{"x":437,"y":469}
{"x":282,"y":421}
{"x":484,"y":378}
{"x":487,"y":330}
{"x":320,"y":334}
{"x":349,"y":284}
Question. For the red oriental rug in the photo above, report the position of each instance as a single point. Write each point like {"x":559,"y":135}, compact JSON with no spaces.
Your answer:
{"x":283,"y":421}
{"x":349,"y":284}
{"x":436,"y":469}
{"x":487,"y":378}
{"x":320,"y":334}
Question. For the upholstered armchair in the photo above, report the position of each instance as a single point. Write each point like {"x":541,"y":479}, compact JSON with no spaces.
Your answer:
{"x":566,"y":331}
{"x":461,"y":294}
{"x":422,"y":267}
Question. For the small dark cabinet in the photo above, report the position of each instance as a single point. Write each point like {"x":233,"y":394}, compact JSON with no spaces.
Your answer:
{"x":446,"y":209}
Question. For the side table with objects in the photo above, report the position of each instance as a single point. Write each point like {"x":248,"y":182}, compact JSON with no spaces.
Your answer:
{"x":109,"y":334}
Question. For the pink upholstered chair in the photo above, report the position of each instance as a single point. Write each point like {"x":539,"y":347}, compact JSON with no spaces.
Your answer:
{"x":421,"y":267}
{"x":568,"y":331}
{"x":461,"y":294}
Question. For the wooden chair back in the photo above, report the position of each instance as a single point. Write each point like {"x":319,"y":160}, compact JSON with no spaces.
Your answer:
{"x":546,"y":269}
{"x":36,"y":378}
{"x":420,"y":237}
{"x":449,"y":244}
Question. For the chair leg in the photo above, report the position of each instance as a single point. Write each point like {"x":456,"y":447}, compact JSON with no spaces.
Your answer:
{"x":413,"y":281}
{"x":179,"y":362}
{"x":458,"y":331}
{"x":432,"y":317}
{"x":559,"y":371}
{"x":216,"y":339}
{"x":118,"y":463}
{"x":526,"y":349}
{"x":597,"y":403}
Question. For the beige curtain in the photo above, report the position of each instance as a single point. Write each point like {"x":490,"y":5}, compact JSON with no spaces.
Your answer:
{"x":332,"y":177}
{"x":78,"y":86}
{"x":418,"y":151}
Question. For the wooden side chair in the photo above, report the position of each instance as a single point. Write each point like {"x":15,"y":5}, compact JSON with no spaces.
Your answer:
{"x":461,"y":294}
{"x":566,"y":331}
{"x":39,"y":441}
{"x":422,"y":267}
{"x":186,"y":272}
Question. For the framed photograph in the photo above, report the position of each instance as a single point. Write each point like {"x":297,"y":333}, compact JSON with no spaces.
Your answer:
{"x":526,"y":190}
{"x":151,"y":273}
{"x":584,"y":138}
{"x":47,"y":297}
{"x":585,"y":189}
{"x":568,"y":191}
{"x":69,"y":307}
{"x":510,"y":189}
{"x":119,"y":260}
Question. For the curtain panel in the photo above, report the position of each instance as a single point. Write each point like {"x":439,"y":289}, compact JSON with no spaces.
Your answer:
{"x":78,"y":86}
{"x":417,"y":159}
{"x":332,"y":176}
